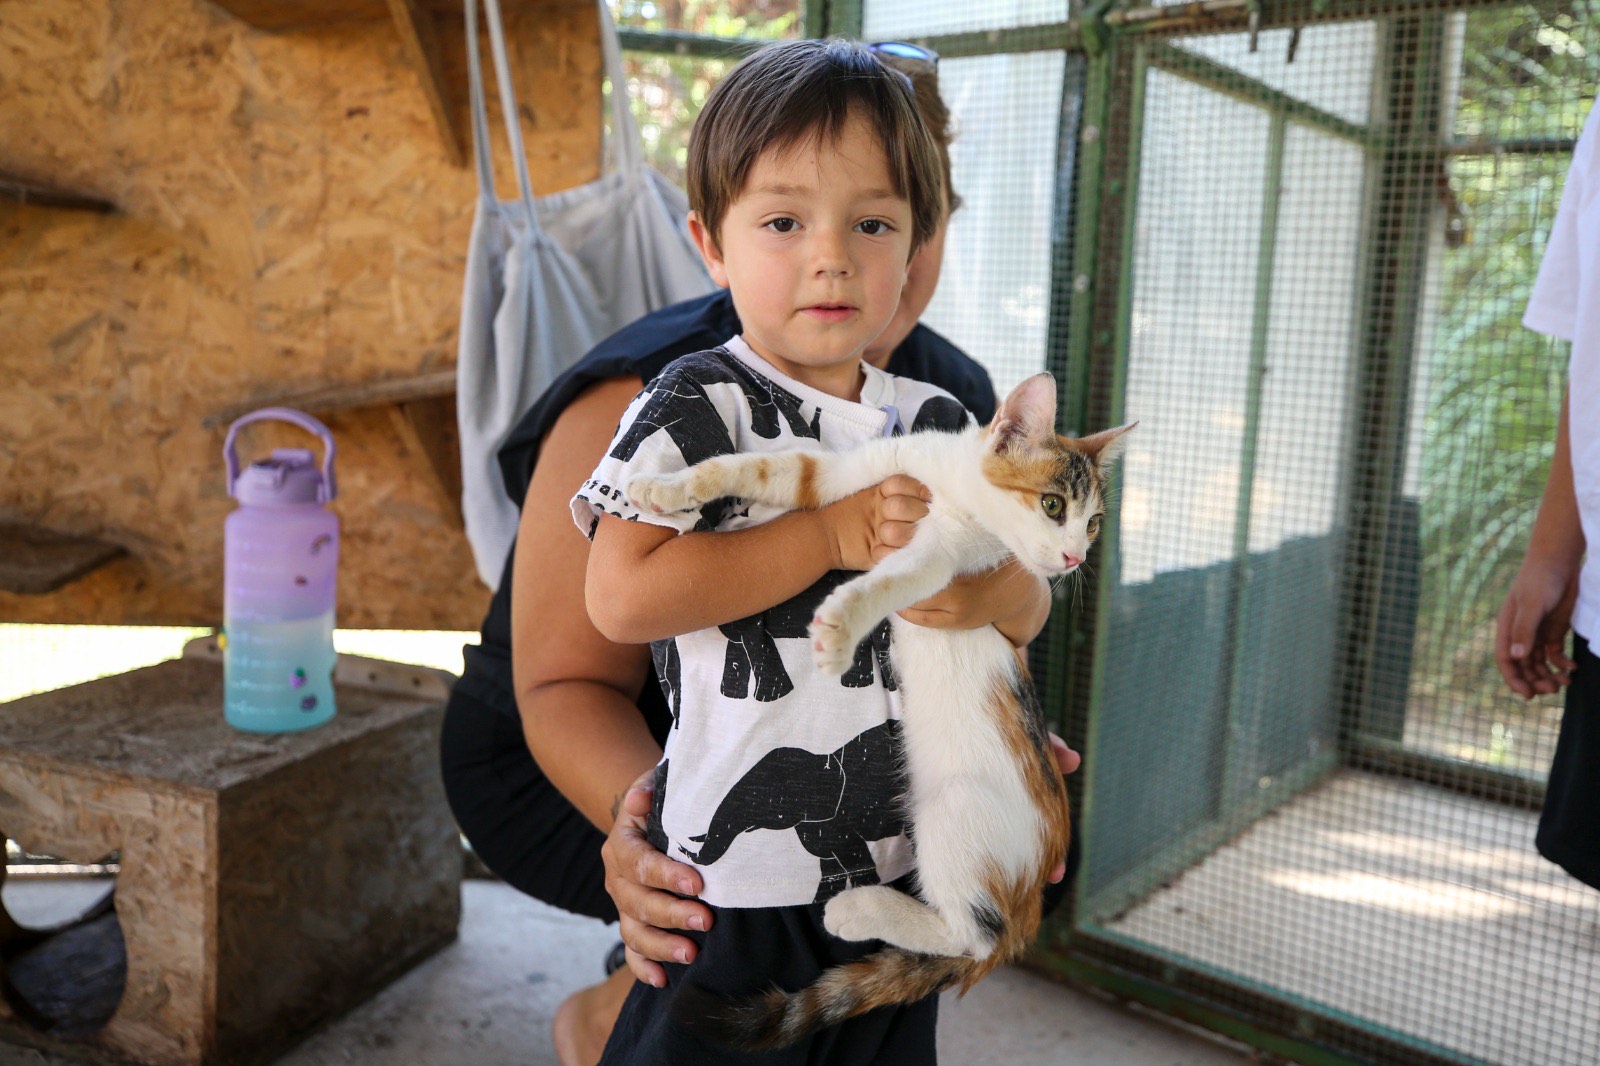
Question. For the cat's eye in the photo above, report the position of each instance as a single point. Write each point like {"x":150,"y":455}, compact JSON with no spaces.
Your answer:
{"x":1054,"y":506}
{"x":1094,"y":525}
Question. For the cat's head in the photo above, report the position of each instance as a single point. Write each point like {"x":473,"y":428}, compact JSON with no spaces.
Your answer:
{"x":1052,"y":488}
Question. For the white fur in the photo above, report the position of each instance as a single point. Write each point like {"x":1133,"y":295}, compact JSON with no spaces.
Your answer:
{"x":971,"y":811}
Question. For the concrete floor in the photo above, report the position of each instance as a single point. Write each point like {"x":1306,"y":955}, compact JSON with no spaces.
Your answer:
{"x":487,"y":1000}
{"x":1402,"y":905}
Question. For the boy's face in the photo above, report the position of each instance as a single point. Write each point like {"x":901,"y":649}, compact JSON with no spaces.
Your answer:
{"x":814,"y":249}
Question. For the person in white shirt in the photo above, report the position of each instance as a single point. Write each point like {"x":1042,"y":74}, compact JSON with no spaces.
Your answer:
{"x":1556,"y":589}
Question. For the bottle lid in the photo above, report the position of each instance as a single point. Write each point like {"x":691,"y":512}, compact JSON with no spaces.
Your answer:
{"x":283,"y":478}
{"x":288,"y":476}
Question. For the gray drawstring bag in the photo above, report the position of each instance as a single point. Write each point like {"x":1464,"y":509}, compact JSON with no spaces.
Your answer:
{"x":548,"y":278}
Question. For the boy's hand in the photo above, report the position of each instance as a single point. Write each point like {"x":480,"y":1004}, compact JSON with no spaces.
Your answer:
{"x":872,"y":523}
{"x":1530,"y":633}
{"x":642,"y":883}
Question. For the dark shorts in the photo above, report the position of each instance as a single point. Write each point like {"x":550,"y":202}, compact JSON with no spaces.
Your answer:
{"x":1569,"y":827}
{"x":745,"y":952}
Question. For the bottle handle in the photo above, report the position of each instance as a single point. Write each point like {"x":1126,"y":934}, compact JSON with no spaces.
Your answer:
{"x":327,"y":490}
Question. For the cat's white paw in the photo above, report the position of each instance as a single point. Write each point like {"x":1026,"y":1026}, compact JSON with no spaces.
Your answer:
{"x":854,"y":915}
{"x":663,"y":493}
{"x":833,"y":638}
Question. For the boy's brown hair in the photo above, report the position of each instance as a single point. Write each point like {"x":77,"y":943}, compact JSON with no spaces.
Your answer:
{"x":788,"y":92}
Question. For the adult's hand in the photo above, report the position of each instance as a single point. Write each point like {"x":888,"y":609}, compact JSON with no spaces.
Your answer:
{"x":1530,"y":633}
{"x":1069,"y":761}
{"x":646,"y":887}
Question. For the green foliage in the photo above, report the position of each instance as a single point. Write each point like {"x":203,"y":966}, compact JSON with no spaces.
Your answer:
{"x":667,"y":91}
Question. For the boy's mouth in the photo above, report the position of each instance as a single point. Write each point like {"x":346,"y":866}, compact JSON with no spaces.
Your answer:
{"x":829,"y":312}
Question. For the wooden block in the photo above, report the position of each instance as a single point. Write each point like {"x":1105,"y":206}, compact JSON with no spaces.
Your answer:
{"x":268,"y":883}
{"x":35,"y":561}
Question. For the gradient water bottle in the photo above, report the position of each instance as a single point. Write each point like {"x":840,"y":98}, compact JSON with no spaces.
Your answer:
{"x":280,"y":554}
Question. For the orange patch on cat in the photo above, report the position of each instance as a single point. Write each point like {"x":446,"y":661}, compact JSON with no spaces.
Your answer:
{"x":1019,"y":900}
{"x":805,"y":496}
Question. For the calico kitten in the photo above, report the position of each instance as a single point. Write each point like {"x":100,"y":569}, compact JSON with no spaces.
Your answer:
{"x":987,"y":805}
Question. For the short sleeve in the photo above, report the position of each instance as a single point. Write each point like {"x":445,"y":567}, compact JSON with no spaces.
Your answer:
{"x":673,"y":424}
{"x":1553,"y":303}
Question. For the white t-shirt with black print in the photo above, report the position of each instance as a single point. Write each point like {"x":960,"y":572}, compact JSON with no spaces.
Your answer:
{"x":780,"y":784}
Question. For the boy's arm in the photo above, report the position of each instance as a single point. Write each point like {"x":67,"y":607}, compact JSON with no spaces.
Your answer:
{"x":647,"y":582}
{"x":1531,"y":630}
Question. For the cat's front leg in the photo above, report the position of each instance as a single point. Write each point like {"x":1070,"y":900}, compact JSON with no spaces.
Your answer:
{"x":854,"y":609}
{"x":784,"y":479}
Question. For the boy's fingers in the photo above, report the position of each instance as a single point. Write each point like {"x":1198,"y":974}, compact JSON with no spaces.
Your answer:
{"x":904,"y":485}
{"x":1059,"y":872}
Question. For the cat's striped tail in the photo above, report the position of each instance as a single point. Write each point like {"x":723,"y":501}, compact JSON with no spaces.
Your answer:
{"x":776,"y":1019}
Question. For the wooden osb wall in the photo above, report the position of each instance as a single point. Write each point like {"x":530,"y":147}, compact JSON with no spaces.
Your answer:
{"x":287,"y":219}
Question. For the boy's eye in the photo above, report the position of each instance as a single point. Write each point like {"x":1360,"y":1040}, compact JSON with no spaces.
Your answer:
{"x":1053,"y":505}
{"x":1094,"y":525}
{"x":872,"y":227}
{"x":782,"y":225}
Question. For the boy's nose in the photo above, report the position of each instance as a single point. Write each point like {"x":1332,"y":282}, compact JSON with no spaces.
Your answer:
{"x":830,"y":257}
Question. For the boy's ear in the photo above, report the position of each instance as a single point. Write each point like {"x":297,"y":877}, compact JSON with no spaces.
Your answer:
{"x":706,"y":242}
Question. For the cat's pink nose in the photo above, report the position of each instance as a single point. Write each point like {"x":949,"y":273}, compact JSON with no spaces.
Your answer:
{"x":1071,"y":560}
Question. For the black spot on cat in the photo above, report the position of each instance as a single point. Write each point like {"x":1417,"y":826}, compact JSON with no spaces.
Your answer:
{"x":989,"y":919}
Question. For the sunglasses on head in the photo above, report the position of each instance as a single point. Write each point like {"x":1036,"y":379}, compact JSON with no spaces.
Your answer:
{"x":905,"y":52}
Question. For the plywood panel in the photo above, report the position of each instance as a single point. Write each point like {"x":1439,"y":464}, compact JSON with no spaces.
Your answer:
{"x":287,"y":221}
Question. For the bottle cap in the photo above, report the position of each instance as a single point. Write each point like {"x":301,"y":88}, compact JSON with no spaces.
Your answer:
{"x":288,"y":476}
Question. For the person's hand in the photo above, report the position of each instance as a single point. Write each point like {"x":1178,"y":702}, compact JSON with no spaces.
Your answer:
{"x":972,"y":601}
{"x":870,"y":524}
{"x":1069,"y":761}
{"x":1530,"y":633}
{"x":642,"y":882}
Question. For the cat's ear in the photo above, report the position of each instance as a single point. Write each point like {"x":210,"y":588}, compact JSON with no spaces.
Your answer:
{"x":1106,"y":446}
{"x":1029,"y":413}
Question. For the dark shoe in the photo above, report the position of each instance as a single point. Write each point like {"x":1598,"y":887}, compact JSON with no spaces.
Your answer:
{"x":616,"y":958}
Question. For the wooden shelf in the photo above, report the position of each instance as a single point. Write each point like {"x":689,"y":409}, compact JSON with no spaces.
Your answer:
{"x":421,"y":408}
{"x":36,"y":561}
{"x":20,"y":191}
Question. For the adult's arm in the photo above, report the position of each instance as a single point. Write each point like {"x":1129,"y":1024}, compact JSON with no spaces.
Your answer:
{"x":577,"y":691}
{"x":1531,"y":630}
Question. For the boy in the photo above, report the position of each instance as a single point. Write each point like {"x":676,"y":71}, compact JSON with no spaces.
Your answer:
{"x":813,"y":180}
{"x":1555,"y":588}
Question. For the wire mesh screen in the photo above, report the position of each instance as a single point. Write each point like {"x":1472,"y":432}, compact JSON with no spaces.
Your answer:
{"x":1299,"y":257}
{"x":994,"y":294}
{"x":1308,"y":795}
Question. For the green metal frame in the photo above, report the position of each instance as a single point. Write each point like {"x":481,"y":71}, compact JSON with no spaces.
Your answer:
{"x":1091,"y":290}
